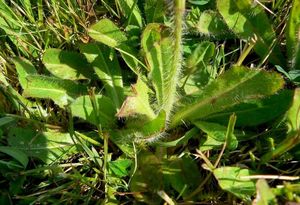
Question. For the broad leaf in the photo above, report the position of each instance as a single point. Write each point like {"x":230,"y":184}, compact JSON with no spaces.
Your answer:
{"x":106,"y":32}
{"x":138,"y":103}
{"x":292,"y":35}
{"x":17,"y":154}
{"x":131,"y":12}
{"x":67,"y":64}
{"x":60,"y":91}
{"x":247,"y":20}
{"x":232,"y":179}
{"x":24,"y":68}
{"x":48,"y":146}
{"x":216,"y":136}
{"x":154,"y":11}
{"x":255,"y":112}
{"x":82,"y":107}
{"x":235,"y":86}
{"x":107,"y":68}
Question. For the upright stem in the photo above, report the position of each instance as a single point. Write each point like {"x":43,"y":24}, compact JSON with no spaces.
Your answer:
{"x":179,"y":8}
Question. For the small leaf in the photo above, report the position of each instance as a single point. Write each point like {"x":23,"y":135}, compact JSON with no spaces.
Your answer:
{"x":17,"y":154}
{"x":211,"y":24}
{"x":82,"y":107}
{"x":67,"y":64}
{"x":246,"y":20}
{"x":106,"y":32}
{"x":216,"y":136}
{"x":131,"y":12}
{"x":235,"y":86}
{"x":138,"y":103}
{"x":60,"y":91}
{"x":48,"y":146}
{"x":120,"y":167}
{"x":231,"y":179}
{"x":292,"y":35}
{"x":264,"y":195}
{"x":182,"y":173}
{"x":154,"y":11}
{"x":24,"y":68}
{"x":107,"y":68}
{"x":201,"y":55}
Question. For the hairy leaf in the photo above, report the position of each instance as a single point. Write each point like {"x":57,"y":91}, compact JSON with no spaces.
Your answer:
{"x":59,"y":90}
{"x":235,"y":86}
{"x":138,"y":103}
{"x":158,"y":48}
{"x":210,"y":23}
{"x":107,"y":68}
{"x":255,"y":112}
{"x":247,"y":20}
{"x":24,"y":68}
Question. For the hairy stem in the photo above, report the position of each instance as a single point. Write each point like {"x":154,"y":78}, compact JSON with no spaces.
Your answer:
{"x":179,"y":8}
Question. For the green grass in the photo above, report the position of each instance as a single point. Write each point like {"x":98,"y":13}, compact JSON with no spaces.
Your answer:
{"x":149,"y":102}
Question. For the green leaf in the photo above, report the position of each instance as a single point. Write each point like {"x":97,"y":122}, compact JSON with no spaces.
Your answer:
{"x":211,"y":24}
{"x":293,"y":114}
{"x":17,"y":154}
{"x":182,"y":140}
{"x":256,"y":112}
{"x":120,"y":167}
{"x":182,"y":173}
{"x":264,"y":195}
{"x":82,"y":107}
{"x":107,"y":68}
{"x":67,"y":64}
{"x":247,"y":20}
{"x":131,"y":12}
{"x":216,"y":136}
{"x":231,"y":179}
{"x":235,"y":86}
{"x":6,"y":120}
{"x":158,"y":47}
{"x":292,"y":35}
{"x":201,"y":55}
{"x":154,"y":11}
{"x":24,"y":68}
{"x":60,"y":91}
{"x":47,"y":146}
{"x":145,"y":188}
{"x":138,"y":103}
{"x":106,"y":32}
